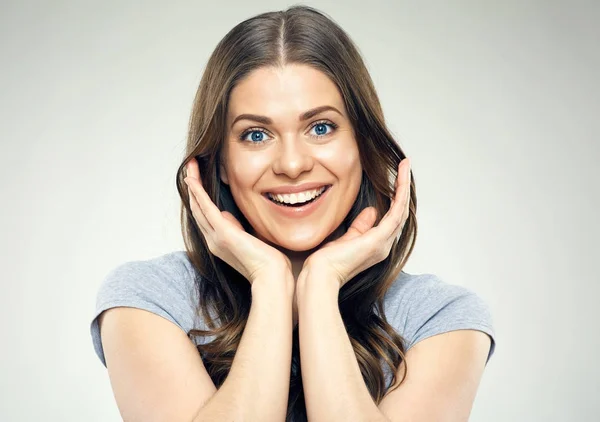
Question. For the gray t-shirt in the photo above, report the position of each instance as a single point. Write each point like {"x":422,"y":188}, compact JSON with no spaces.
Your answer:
{"x":417,"y":306}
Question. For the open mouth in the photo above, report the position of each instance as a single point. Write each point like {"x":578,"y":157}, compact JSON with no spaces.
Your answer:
{"x":297,"y":204}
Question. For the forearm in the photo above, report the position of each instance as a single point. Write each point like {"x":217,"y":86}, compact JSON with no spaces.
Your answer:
{"x":334,"y":389}
{"x":257,"y":386}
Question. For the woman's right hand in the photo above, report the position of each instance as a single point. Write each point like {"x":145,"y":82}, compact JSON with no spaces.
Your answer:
{"x":226,"y":237}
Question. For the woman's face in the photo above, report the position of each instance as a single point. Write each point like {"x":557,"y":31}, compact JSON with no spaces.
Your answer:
{"x":289,"y":151}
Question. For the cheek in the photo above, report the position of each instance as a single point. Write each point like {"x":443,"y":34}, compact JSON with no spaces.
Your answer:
{"x":342,"y":152}
{"x":247,"y":170}
{"x":342,"y":161}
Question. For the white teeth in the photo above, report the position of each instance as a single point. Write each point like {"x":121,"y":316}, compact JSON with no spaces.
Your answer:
{"x":297,"y":197}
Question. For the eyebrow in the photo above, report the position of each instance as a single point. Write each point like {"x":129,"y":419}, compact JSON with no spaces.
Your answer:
{"x":304,"y":116}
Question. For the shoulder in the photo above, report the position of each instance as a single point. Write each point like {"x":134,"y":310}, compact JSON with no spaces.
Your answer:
{"x":165,"y":279}
{"x":164,"y":285}
{"x":172,"y":271}
{"x":422,"y":305}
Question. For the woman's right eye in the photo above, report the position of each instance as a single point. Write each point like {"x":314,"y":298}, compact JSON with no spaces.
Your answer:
{"x":256,"y":136}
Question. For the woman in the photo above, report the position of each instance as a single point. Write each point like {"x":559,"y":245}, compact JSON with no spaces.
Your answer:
{"x":305,"y":309}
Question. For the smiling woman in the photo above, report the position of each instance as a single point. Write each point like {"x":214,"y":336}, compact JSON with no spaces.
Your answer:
{"x":306,"y":139}
{"x":298,"y":216}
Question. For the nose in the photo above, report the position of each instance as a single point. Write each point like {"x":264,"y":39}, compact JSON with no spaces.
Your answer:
{"x":293,"y":158}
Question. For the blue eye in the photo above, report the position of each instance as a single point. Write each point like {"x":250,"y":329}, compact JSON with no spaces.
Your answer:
{"x":322,"y":127}
{"x":257,"y":136}
{"x":257,"y":133}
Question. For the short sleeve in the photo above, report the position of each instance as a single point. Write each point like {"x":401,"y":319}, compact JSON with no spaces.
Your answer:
{"x":163,"y":286}
{"x":421,"y":306}
{"x":437,"y":307}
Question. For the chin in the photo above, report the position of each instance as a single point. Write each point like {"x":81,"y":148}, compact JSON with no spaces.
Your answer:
{"x":312,"y":242}
{"x":300,"y":246}
{"x":299,"y":239}
{"x":295,"y":243}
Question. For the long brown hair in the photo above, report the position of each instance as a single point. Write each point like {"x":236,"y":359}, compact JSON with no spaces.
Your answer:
{"x":298,"y":35}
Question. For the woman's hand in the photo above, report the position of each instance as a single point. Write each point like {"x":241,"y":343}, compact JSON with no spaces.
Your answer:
{"x":226,"y":237}
{"x":363,"y":245}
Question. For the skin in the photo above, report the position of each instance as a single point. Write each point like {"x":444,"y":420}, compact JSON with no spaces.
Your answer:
{"x":291,"y":152}
{"x":329,"y":259}
{"x":324,"y":272}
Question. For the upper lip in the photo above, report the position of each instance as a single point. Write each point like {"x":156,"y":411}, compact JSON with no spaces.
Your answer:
{"x":296,"y":188}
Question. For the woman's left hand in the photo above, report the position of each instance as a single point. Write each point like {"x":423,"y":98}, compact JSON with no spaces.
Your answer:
{"x":363,"y":245}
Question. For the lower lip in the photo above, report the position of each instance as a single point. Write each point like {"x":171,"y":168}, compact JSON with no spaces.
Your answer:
{"x":302,"y":211}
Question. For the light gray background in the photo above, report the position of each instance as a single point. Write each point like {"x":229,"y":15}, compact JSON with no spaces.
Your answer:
{"x":497,"y":104}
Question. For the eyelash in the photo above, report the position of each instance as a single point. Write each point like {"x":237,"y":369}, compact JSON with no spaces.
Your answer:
{"x":254,"y":129}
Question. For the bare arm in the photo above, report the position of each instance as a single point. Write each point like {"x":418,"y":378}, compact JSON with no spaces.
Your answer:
{"x":325,"y":348}
{"x":157,"y":374}
{"x":257,"y":386}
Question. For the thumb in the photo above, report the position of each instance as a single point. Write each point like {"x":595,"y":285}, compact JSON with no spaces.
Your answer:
{"x":363,"y":222}
{"x":229,"y":217}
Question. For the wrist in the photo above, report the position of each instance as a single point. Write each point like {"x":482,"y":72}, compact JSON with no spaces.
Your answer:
{"x":275,"y":280}
{"x":312,"y":279}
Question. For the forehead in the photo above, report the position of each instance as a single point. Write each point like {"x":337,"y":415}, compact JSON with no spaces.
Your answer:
{"x":276,"y":92}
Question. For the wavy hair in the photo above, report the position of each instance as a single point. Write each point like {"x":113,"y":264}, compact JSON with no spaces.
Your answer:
{"x":297,"y":35}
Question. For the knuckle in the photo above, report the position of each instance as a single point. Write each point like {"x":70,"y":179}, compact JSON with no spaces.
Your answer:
{"x":372,"y":248}
{"x":376,"y":252}
{"x":219,"y":240}
{"x":398,"y":219}
{"x":211,"y":247}
{"x":226,"y":237}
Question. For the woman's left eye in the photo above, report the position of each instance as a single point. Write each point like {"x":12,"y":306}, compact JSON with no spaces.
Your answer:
{"x":321,"y":128}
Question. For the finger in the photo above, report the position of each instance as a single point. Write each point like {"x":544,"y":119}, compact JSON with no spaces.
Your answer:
{"x":207,"y":206}
{"x":197,"y":206}
{"x":408,"y":189}
{"x":228,"y":216}
{"x":193,"y":171}
{"x":361,"y":224}
{"x":392,"y":222}
{"x":198,"y":214}
{"x":399,"y":189}
{"x":191,"y":168}
{"x":364,"y":221}
{"x":406,"y":203}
